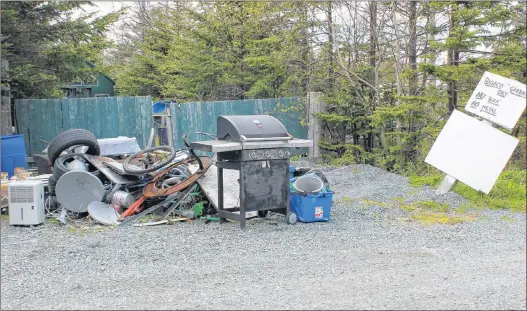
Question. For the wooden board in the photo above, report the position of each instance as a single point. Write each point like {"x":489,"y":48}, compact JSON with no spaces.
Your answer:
{"x":471,"y":151}
{"x":105,"y":117}
{"x":231,"y":189}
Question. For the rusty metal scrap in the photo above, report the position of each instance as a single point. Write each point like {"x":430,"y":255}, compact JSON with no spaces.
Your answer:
{"x":151,"y":190}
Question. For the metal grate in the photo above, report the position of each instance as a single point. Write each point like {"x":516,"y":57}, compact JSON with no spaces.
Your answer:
{"x":21,"y":194}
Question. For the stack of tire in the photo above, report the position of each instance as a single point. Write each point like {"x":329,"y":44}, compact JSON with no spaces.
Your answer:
{"x":62,"y":142}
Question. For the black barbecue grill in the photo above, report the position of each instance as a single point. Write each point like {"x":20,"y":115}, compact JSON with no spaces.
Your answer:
{"x":259,"y":147}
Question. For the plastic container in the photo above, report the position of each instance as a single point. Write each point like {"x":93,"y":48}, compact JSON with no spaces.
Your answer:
{"x":13,"y":153}
{"x":160,"y":106}
{"x":292,"y":170}
{"x":311,"y":207}
{"x":308,"y":184}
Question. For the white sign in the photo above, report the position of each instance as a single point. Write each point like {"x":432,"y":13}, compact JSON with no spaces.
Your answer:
{"x":498,"y":99}
{"x":471,"y":151}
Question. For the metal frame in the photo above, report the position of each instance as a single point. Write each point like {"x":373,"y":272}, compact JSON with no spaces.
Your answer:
{"x":252,"y":198}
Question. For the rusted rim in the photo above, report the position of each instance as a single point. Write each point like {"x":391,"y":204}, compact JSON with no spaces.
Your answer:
{"x":152,"y":191}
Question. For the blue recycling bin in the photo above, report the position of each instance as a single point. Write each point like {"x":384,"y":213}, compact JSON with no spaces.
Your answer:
{"x":13,"y":153}
{"x":312,"y":207}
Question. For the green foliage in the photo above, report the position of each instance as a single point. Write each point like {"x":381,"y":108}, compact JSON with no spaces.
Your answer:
{"x":46,"y":47}
{"x":383,"y":106}
{"x":509,"y":192}
{"x":217,"y":51}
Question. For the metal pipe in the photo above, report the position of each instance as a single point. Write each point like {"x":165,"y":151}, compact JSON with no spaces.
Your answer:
{"x":265,"y":139}
{"x":150,"y":139}
{"x":169,"y":127}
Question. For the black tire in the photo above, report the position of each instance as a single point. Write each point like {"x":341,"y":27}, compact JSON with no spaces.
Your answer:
{"x":72,"y":138}
{"x":262,"y":214}
{"x":130,"y":170}
{"x":52,"y":182}
{"x":60,"y":168}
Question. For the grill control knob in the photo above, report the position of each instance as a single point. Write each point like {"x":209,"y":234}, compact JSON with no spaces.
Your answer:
{"x":280,"y":153}
{"x":287,"y":153}
{"x":267,"y":154}
{"x":253,"y":155}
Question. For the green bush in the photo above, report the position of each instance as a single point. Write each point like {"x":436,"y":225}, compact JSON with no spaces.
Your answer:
{"x":509,"y":191}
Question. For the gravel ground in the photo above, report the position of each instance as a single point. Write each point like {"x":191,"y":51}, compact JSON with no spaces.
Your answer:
{"x":371,"y":255}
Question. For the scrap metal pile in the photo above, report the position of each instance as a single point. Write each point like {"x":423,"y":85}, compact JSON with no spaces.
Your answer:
{"x":119,"y":189}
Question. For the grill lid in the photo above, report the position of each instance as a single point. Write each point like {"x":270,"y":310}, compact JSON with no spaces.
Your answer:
{"x":252,"y":127}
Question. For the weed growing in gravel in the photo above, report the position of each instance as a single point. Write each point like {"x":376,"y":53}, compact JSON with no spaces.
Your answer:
{"x":430,"y":218}
{"x":364,"y":201}
{"x":508,"y":193}
{"x":507,"y":218}
{"x":430,"y":212}
{"x":147,"y":218}
{"x":4,"y":217}
{"x":53,"y":221}
{"x":83,"y":230}
{"x":345,"y":200}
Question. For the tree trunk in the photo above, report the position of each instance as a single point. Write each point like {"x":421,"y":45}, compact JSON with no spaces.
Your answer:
{"x":331,"y":74}
{"x":452,"y":60}
{"x":373,"y":64}
{"x":397,"y":57}
{"x":430,"y":37}
{"x":412,"y":48}
{"x":306,"y":77}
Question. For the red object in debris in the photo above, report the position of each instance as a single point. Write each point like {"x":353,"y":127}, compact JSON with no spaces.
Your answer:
{"x":131,"y":210}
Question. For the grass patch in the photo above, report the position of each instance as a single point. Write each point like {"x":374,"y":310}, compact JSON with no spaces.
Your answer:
{"x":509,"y":191}
{"x":425,"y":205}
{"x":295,"y":158}
{"x":430,"y":180}
{"x":83,"y":230}
{"x":147,"y":218}
{"x":430,"y":218}
{"x":4,"y":217}
{"x":364,"y":201}
{"x":430,"y":212}
{"x":507,"y":218}
{"x":53,"y":221}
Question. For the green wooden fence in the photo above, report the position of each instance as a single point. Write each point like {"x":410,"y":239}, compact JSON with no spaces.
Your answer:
{"x":201,"y":116}
{"x":43,"y":119}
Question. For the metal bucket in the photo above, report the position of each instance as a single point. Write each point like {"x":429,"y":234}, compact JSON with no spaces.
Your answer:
{"x":123,"y":199}
{"x":308,"y":184}
{"x":77,"y":165}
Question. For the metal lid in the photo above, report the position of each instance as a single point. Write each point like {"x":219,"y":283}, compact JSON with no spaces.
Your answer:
{"x":250,"y":126}
{"x":76,"y":190}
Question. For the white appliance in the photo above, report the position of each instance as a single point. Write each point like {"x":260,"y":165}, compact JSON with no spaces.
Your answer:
{"x":26,"y":202}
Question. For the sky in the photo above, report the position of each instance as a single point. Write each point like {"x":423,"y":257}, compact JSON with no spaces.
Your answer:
{"x":105,"y":7}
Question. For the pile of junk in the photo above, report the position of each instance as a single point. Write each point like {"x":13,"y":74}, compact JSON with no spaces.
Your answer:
{"x":118,"y":188}
{"x":114,"y":182}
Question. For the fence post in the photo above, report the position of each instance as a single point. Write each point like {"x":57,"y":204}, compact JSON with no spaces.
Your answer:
{"x":5,"y":102}
{"x":5,"y":110}
{"x":315,"y":105}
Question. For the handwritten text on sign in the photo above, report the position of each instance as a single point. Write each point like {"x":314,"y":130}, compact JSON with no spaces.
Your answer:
{"x":498,"y":99}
